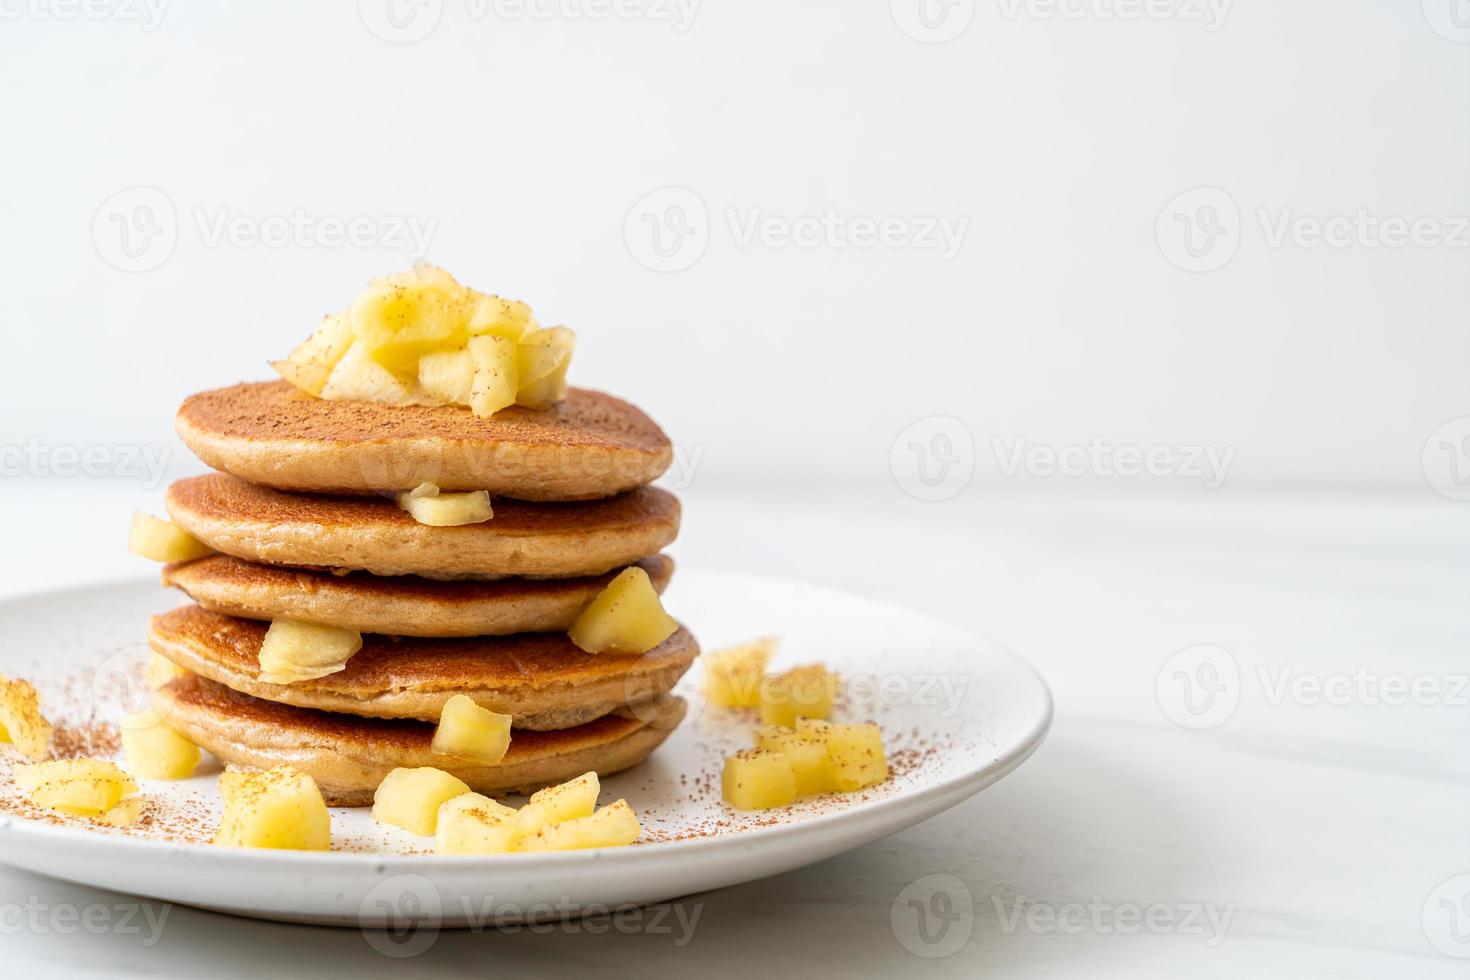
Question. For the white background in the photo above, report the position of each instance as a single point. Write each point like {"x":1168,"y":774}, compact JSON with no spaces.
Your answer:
{"x":806,"y":383}
{"x":526,"y":142}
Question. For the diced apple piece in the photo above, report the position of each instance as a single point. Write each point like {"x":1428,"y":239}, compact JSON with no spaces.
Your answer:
{"x":758,"y":779}
{"x":733,"y":676}
{"x":474,"y":824}
{"x":155,"y":751}
{"x":311,"y":363}
{"x":295,"y":651}
{"x":494,"y":385}
{"x":626,"y":617}
{"x":124,"y":812}
{"x":410,"y":798}
{"x":855,"y":753}
{"x":802,"y":692}
{"x":82,"y":787}
{"x":161,"y":670}
{"x":551,"y":389}
{"x":428,"y":505}
{"x":278,"y":808}
{"x":469,"y":731}
{"x":541,"y":353}
{"x":506,"y":318}
{"x":806,"y":753}
{"x":21,"y":721}
{"x":357,"y":377}
{"x":615,"y":825}
{"x":571,"y":800}
{"x":161,"y":540}
{"x":447,"y":375}
{"x":402,"y":317}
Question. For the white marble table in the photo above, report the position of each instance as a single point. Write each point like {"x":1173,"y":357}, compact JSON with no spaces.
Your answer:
{"x":1301,"y":836}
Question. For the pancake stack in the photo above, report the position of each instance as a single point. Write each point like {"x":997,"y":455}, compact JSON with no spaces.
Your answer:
{"x":303,"y":526}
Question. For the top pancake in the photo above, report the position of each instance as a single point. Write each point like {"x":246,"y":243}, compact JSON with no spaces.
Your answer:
{"x":589,"y":445}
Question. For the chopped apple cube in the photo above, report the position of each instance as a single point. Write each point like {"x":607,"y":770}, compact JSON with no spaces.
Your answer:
{"x":733,"y":676}
{"x":428,"y":505}
{"x":357,"y":377}
{"x":855,"y":753}
{"x":404,"y":316}
{"x":758,"y":779}
{"x":626,"y":617}
{"x":161,"y":670}
{"x":802,"y":692}
{"x":494,"y":385}
{"x":410,"y":798}
{"x":155,"y":751}
{"x":807,"y":755}
{"x":21,"y":721}
{"x":310,"y":365}
{"x":296,"y":651}
{"x":161,"y":540}
{"x":506,"y":318}
{"x":447,"y":375}
{"x":471,"y":732}
{"x":474,"y":824}
{"x":278,"y":808}
{"x":615,"y":825}
{"x":571,"y":800}
{"x":82,"y":787}
{"x":542,"y":352}
{"x":124,"y":812}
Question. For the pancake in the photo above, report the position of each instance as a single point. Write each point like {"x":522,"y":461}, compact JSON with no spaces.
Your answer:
{"x":589,"y":445}
{"x":401,"y":606}
{"x":542,"y":680}
{"x":348,"y":757}
{"x":537,"y":540}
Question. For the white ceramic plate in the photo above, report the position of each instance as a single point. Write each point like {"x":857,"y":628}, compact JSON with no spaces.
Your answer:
{"x":957,"y":713}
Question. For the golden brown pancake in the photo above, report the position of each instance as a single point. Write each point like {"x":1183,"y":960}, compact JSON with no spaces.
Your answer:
{"x":537,"y":540}
{"x":404,"y":605}
{"x":541,"y":679}
{"x":348,"y":756}
{"x":590,"y":445}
